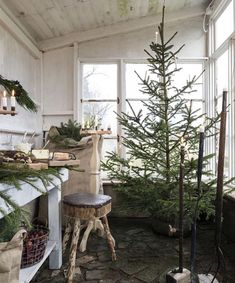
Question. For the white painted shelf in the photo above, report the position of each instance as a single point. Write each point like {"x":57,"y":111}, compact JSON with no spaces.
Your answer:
{"x":26,"y":194}
{"x":26,"y":274}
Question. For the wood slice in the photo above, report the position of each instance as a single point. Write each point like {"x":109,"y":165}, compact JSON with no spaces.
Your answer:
{"x":96,"y":132}
{"x":37,"y":166}
{"x":86,"y":213}
{"x":61,"y":156}
{"x":60,"y":163}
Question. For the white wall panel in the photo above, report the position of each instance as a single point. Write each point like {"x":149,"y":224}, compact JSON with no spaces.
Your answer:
{"x":58,"y":83}
{"x":132,"y":45}
{"x":16,"y":63}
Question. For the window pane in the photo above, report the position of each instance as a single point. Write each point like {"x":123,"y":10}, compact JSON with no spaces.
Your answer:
{"x":222,"y":73}
{"x":196,"y":108}
{"x":99,"y":81}
{"x":221,"y":83}
{"x":136,"y":106}
{"x":109,"y":145}
{"x":224,"y":25}
{"x":105,"y":112}
{"x":188,"y":71}
{"x":133,"y":82}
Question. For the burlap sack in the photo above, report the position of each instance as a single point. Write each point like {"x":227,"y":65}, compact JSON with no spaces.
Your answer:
{"x":78,"y":181}
{"x":10,"y":258}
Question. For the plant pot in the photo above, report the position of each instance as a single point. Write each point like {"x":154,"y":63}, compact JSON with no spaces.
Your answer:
{"x":169,"y":227}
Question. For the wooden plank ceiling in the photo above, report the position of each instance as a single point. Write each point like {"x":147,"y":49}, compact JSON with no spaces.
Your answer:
{"x":47,"y":19}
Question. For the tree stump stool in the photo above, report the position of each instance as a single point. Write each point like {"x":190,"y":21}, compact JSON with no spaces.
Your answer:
{"x":94,"y":209}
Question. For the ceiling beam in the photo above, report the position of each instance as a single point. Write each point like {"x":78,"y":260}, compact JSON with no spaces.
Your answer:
{"x":118,"y":28}
{"x":13,"y":26}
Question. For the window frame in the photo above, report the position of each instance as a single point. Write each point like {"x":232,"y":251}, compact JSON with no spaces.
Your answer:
{"x":121,"y":88}
{"x":214,"y":53}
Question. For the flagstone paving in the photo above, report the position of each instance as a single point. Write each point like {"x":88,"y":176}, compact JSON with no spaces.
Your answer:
{"x":142,"y":256}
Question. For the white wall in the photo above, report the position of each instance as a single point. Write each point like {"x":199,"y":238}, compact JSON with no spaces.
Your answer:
{"x":132,"y":45}
{"x":16,"y":63}
{"x":58,"y":64}
{"x":58,"y":86}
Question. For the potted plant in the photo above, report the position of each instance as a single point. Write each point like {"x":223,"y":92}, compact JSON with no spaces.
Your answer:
{"x":149,"y":175}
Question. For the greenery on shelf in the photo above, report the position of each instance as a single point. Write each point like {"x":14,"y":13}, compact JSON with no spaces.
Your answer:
{"x":22,"y":96}
{"x":67,"y":135}
{"x":13,"y":175}
{"x":149,"y":176}
{"x":71,"y":129}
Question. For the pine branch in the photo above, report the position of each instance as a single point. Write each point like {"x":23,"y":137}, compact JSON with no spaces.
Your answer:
{"x":22,"y":96}
{"x":11,"y":175}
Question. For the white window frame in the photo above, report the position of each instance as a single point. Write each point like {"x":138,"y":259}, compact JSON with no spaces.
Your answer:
{"x":214,"y":54}
{"x":81,"y":100}
{"x":121,"y":87}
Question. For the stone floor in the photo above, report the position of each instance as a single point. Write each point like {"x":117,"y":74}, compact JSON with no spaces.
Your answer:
{"x":142,"y":256}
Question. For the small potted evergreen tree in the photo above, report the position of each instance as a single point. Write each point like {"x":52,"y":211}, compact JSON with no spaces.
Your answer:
{"x":149,"y":175}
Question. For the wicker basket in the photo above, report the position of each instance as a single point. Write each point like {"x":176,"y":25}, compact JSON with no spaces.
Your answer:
{"x":34,"y":246}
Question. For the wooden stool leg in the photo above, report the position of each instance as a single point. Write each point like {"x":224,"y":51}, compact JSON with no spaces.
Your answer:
{"x":73,"y":250}
{"x":110,"y":239}
{"x":100,"y":227}
{"x":86,"y":234}
{"x":67,"y":234}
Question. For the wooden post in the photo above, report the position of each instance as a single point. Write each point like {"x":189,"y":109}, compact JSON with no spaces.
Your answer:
{"x":194,"y":275}
{"x":181,"y":207}
{"x":220,"y":176}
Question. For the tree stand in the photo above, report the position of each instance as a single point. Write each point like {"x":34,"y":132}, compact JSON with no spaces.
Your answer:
{"x":175,"y":277}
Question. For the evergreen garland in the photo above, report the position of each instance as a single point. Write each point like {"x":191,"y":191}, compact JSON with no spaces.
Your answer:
{"x":22,"y":96}
{"x":11,"y":175}
{"x":14,"y":176}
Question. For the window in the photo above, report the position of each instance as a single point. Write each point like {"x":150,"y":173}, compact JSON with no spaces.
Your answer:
{"x":188,"y":71}
{"x":222,"y":64}
{"x":134,"y":95}
{"x":99,"y":99}
{"x":221,"y":74}
{"x":224,"y":25}
{"x":102,"y":90}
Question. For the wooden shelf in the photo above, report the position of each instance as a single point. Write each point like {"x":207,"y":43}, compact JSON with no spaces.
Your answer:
{"x":26,"y":274}
{"x":7,"y":112}
{"x":96,"y":132}
{"x":61,"y":163}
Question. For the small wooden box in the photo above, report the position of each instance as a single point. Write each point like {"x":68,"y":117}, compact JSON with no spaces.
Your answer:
{"x":41,"y":153}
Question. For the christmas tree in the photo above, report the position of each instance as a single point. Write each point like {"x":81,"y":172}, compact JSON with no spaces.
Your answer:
{"x":149,"y":174}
